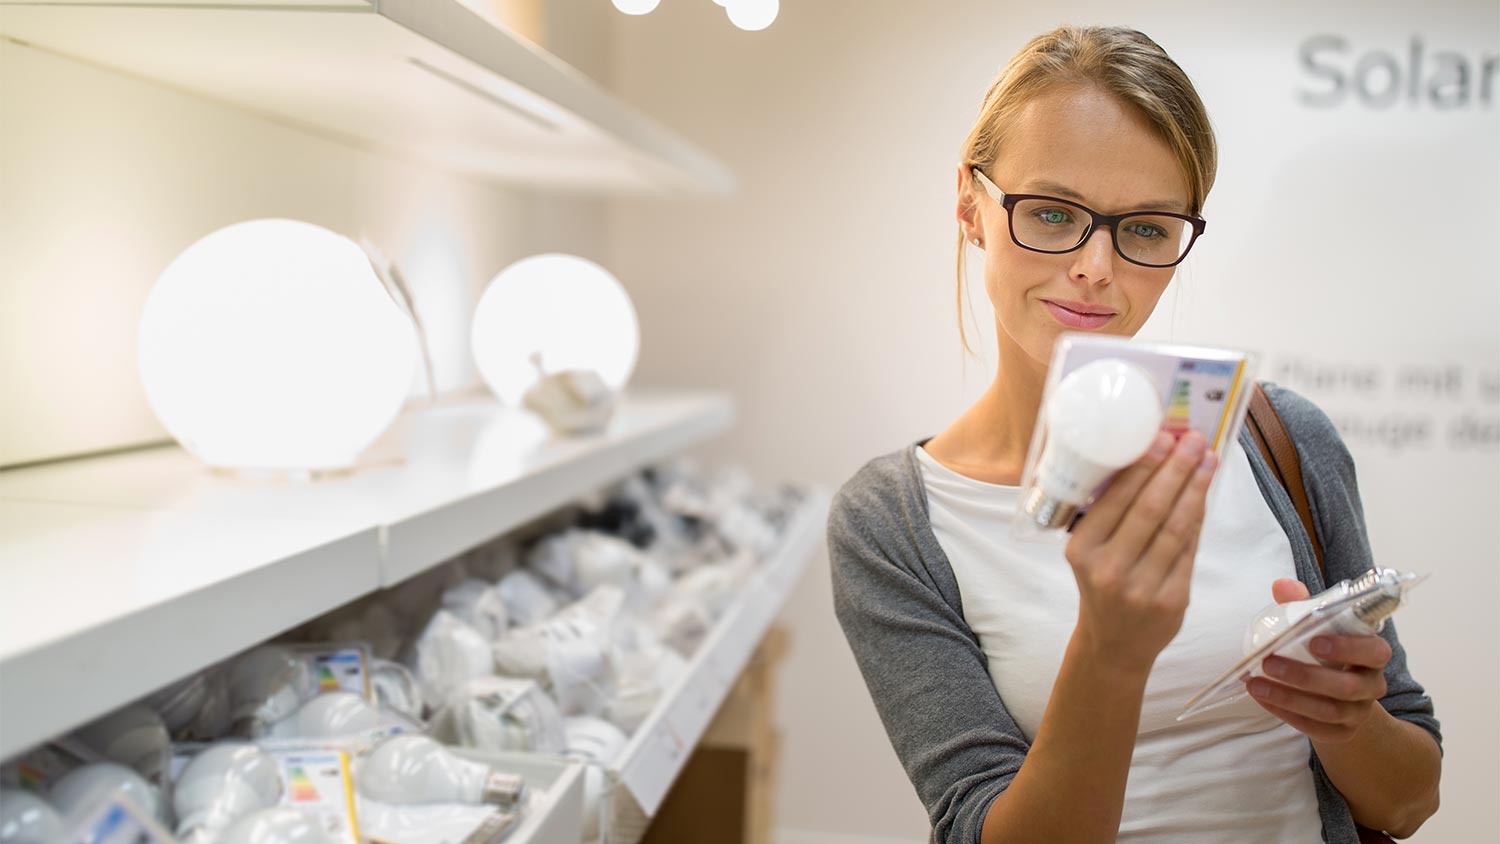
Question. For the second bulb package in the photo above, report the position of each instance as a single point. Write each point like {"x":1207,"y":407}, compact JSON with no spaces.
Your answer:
{"x":1105,"y":400}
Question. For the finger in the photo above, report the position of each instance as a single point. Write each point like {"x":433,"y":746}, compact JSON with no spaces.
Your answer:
{"x":1315,"y":707}
{"x":1178,"y":584}
{"x":1355,"y":685}
{"x":1104,"y":514}
{"x":1307,"y":726}
{"x":1360,"y":651}
{"x":1154,"y":503}
{"x":1181,"y":528}
{"x":1287,"y":589}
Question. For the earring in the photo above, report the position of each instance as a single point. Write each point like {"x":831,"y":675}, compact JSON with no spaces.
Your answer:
{"x":977,"y":243}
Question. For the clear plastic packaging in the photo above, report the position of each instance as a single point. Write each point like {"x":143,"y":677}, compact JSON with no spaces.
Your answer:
{"x":479,"y":605}
{"x":26,"y":818}
{"x":1349,"y":607}
{"x":101,"y":781}
{"x":448,"y":654}
{"x":397,"y":689}
{"x":113,"y":820}
{"x":499,"y":714}
{"x":133,"y":735}
{"x":1104,"y":401}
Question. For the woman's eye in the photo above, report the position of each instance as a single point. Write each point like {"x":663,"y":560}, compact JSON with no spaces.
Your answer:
{"x":1053,"y":216}
{"x":1147,"y":231}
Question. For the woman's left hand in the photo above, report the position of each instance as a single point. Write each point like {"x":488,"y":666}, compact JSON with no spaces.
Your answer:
{"x":1327,"y":705}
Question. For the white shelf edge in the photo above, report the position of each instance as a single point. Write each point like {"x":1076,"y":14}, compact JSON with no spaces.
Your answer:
{"x":660,"y":747}
{"x":480,"y":70}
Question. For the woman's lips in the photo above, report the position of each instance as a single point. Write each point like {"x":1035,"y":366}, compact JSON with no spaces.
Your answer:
{"x":1074,"y":319}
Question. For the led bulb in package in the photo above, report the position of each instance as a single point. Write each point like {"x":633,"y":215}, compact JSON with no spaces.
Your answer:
{"x":28,"y":819}
{"x":1105,"y":400}
{"x":1349,"y":607}
{"x":501,"y":714}
{"x":100,"y":781}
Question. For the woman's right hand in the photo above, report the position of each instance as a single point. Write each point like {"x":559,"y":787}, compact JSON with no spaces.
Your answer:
{"x":1132,"y":552}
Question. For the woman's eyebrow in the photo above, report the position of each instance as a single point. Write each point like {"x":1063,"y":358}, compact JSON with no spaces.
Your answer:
{"x":1065,"y":192}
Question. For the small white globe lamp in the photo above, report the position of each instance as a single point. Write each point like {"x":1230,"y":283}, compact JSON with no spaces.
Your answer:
{"x":561,"y":311}
{"x":752,"y":15}
{"x":271,"y":345}
{"x":636,"y":7}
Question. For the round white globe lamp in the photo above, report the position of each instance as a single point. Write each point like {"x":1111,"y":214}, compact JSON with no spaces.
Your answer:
{"x":272,"y":345}
{"x":549,"y":314}
{"x":636,"y":7}
{"x":752,"y":15}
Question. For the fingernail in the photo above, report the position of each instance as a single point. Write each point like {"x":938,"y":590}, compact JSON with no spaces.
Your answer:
{"x":1274,"y":668}
{"x":1160,"y":446}
{"x":1210,"y":462}
{"x":1259,"y":687}
{"x":1321,"y":647}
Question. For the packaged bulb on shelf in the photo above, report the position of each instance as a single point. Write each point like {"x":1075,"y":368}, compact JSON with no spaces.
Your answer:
{"x":448,"y":654}
{"x":26,"y":818}
{"x":493,"y":561}
{"x":396,"y":688}
{"x":266,"y":685}
{"x":328,"y":716}
{"x":99,"y":781}
{"x":501,"y":714}
{"x":479,"y":605}
{"x":416,"y":769}
{"x":595,"y":739}
{"x":178,"y":703}
{"x":221,"y":784}
{"x":278,"y":825}
{"x":526,"y":599}
{"x":134,"y":735}
{"x":682,"y":623}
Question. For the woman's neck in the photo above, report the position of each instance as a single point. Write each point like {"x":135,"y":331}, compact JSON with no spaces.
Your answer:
{"x":989,"y":441}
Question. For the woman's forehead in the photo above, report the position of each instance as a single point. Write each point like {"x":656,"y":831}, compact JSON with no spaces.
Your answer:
{"x":1088,"y":145}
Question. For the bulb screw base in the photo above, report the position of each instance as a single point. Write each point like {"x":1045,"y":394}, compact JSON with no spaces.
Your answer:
{"x":1046,"y":511}
{"x":503,"y":790}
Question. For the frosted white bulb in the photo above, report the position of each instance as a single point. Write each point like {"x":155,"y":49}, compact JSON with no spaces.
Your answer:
{"x":134,"y":736}
{"x":27,"y":819}
{"x":277,"y":825}
{"x":411,"y":769}
{"x":561,"y":310}
{"x":594,"y":739}
{"x":273,"y":345}
{"x":268,"y":684}
{"x":636,"y":7}
{"x":478,"y":605}
{"x":526,"y":599}
{"x":752,"y":15}
{"x":1100,"y":418}
{"x":1363,"y":618}
{"x":100,"y":780}
{"x":223,"y":783}
{"x":449,"y":653}
{"x":330,"y":715}
{"x":396,"y":687}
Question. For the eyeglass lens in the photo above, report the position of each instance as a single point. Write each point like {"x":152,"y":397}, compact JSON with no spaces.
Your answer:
{"x":1056,"y":226}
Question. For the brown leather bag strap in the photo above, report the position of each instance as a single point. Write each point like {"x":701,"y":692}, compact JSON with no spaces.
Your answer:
{"x":1275,"y":444}
{"x":1270,"y":434}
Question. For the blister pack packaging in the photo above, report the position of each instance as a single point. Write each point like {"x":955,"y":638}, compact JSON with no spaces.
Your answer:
{"x":1105,"y":400}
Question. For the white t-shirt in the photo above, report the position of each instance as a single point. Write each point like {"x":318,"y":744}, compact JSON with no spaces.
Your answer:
{"x":1232,"y":774}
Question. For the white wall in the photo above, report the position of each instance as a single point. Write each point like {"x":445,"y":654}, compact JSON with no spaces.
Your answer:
{"x":105,"y":178}
{"x":822,"y":294}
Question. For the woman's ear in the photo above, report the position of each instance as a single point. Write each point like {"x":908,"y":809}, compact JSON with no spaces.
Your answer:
{"x":967,"y":212}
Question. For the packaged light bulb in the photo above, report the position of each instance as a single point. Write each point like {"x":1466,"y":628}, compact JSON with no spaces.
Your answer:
{"x":267,"y":684}
{"x":412,"y":790}
{"x":501,"y":714}
{"x":220,"y":784}
{"x":479,"y":605}
{"x":279,"y":825}
{"x":526,"y":599}
{"x":448,"y":654}
{"x":1356,"y":607}
{"x":396,"y":688}
{"x":102,"y":781}
{"x":113,"y":819}
{"x":329,"y":716}
{"x":28,"y":819}
{"x":1105,"y":400}
{"x":134,"y":735}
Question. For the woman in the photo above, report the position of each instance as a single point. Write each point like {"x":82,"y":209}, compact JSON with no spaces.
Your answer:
{"x":1031,"y":691}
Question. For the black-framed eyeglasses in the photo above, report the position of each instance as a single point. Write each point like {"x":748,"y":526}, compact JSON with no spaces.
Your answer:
{"x":1054,"y":226}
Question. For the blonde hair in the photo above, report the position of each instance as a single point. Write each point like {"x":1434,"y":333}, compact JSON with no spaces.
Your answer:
{"x":1116,"y":60}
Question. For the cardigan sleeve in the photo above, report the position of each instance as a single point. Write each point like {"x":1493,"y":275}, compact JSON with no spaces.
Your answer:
{"x":1338,"y":516}
{"x":922,"y":663}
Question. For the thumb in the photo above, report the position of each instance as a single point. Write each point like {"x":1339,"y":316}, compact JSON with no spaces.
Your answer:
{"x":1287,"y":589}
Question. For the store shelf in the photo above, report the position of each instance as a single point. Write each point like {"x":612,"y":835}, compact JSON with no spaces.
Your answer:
{"x":125,"y":572}
{"x":554,"y":814}
{"x":661,"y":746}
{"x":429,"y":80}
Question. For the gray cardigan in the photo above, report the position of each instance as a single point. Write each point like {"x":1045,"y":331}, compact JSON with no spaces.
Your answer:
{"x":898,"y":602}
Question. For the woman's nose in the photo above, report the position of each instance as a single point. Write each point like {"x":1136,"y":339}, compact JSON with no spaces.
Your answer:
{"x":1094,"y":262}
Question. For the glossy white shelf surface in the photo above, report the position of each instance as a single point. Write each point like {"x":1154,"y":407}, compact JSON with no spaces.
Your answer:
{"x":122,"y":573}
{"x":423,"y":79}
{"x":660,"y":747}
